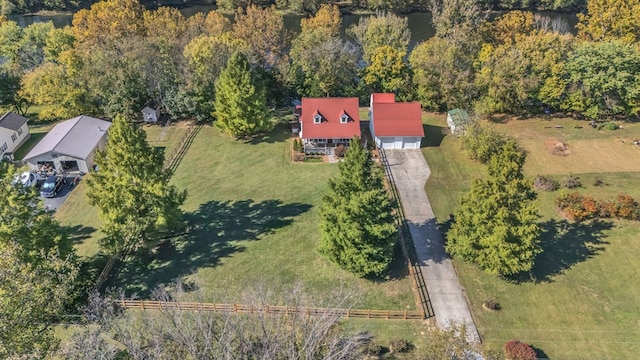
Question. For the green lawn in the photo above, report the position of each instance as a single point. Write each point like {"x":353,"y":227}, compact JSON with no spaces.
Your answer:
{"x":37,"y":133}
{"x":583,"y":302}
{"x":253,"y":221}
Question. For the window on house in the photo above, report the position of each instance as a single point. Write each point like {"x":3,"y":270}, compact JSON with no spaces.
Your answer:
{"x":14,"y":137}
{"x":19,"y":131}
{"x":3,"y":148}
{"x":344,"y":118}
{"x":317,"y":119}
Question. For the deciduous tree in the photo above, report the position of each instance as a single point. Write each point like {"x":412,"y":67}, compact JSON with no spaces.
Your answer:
{"x":604,"y":79}
{"x":443,"y":74}
{"x":358,"y":230}
{"x":323,"y":64}
{"x":610,"y":20}
{"x":263,"y":31}
{"x":383,"y":29}
{"x":496,"y":223}
{"x":387,"y":71}
{"x":136,"y":203}
{"x":240,"y":106}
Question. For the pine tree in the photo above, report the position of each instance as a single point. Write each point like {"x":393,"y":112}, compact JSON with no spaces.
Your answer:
{"x":132,"y":191}
{"x":241,"y":107}
{"x":358,"y":231}
{"x":496,"y":224}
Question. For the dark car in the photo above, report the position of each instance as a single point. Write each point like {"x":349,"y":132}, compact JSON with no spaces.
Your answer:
{"x":52,"y":186}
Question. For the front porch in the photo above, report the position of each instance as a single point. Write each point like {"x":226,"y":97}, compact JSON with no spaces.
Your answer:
{"x":323,"y":146}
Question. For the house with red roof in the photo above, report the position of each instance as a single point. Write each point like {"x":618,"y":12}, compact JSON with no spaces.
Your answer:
{"x":327,"y":122}
{"x":395,"y":125}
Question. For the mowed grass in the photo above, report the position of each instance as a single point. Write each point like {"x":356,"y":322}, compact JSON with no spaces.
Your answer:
{"x":253,"y":221}
{"x":582,"y":302}
{"x":589,"y":150}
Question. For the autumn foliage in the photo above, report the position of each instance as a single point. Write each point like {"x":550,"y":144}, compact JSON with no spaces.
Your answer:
{"x":517,"y":350}
{"x":578,"y":207}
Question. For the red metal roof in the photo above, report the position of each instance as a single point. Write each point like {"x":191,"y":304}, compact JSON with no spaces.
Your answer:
{"x":383,"y":98}
{"x":397,"y":119}
{"x":331,"y":109}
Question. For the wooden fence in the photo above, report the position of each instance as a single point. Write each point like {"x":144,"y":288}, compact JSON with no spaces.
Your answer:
{"x":272,"y":310}
{"x":406,"y":242}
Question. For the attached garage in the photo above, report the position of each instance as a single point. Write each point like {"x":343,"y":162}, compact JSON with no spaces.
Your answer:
{"x":70,"y":145}
{"x":399,"y":142}
{"x":395,"y":125}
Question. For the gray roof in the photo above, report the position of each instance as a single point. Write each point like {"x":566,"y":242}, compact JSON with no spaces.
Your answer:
{"x":459,"y":116}
{"x":76,"y":137}
{"x":12,"y":121}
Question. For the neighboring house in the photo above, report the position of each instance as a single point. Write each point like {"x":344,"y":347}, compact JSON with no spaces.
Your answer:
{"x":395,"y":125}
{"x":327,"y":122}
{"x":70,"y":145}
{"x":151,"y":113}
{"x":457,"y":119}
{"x":14,"y":131}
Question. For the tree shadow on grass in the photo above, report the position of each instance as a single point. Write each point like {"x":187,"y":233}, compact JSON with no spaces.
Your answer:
{"x":79,"y":233}
{"x":279,"y":133}
{"x":214,"y":231}
{"x":565,"y":244}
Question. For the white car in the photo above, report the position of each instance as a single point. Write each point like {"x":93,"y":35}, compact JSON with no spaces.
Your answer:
{"x":25,"y":179}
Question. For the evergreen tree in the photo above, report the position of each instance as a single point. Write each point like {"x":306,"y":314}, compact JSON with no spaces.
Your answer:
{"x":241,"y":107}
{"x":496,"y":224}
{"x":358,"y":231}
{"x":132,"y":191}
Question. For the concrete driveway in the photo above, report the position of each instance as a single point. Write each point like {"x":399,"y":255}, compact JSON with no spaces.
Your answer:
{"x":56,"y":202}
{"x":410,"y":172}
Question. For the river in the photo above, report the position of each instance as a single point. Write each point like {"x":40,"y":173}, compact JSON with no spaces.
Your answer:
{"x":419,"y":23}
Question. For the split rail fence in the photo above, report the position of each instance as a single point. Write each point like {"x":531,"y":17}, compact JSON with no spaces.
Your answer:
{"x":272,"y":310}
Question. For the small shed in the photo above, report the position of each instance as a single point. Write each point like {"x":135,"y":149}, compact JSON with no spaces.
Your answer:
{"x":151,"y":112}
{"x":457,"y":119}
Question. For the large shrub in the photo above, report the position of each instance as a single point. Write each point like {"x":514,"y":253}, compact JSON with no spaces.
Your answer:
{"x":576,"y":206}
{"x":481,"y":143}
{"x":517,"y":350}
{"x":627,"y":207}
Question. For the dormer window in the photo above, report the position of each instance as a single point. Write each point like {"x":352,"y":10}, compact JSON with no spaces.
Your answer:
{"x":317,"y":118}
{"x":344,"y":118}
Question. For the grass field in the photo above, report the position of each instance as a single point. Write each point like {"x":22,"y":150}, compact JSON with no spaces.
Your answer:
{"x":583,"y":300}
{"x":253,"y":220}
{"x":590,"y":150}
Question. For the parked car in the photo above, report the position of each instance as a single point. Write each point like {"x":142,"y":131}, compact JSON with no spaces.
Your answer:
{"x":52,"y":186}
{"x":26,"y":179}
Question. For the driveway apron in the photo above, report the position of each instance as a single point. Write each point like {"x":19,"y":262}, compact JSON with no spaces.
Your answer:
{"x":410,"y":172}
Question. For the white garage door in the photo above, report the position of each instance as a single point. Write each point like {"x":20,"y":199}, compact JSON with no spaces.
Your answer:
{"x":399,"y":144}
{"x":409,"y":143}
{"x":387,"y":143}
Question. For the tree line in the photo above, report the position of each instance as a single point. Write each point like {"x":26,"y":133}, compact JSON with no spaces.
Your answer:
{"x":297,"y":6}
{"x":117,"y":56}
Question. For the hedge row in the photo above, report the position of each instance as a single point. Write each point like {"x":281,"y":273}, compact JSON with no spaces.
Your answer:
{"x":578,"y":207}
